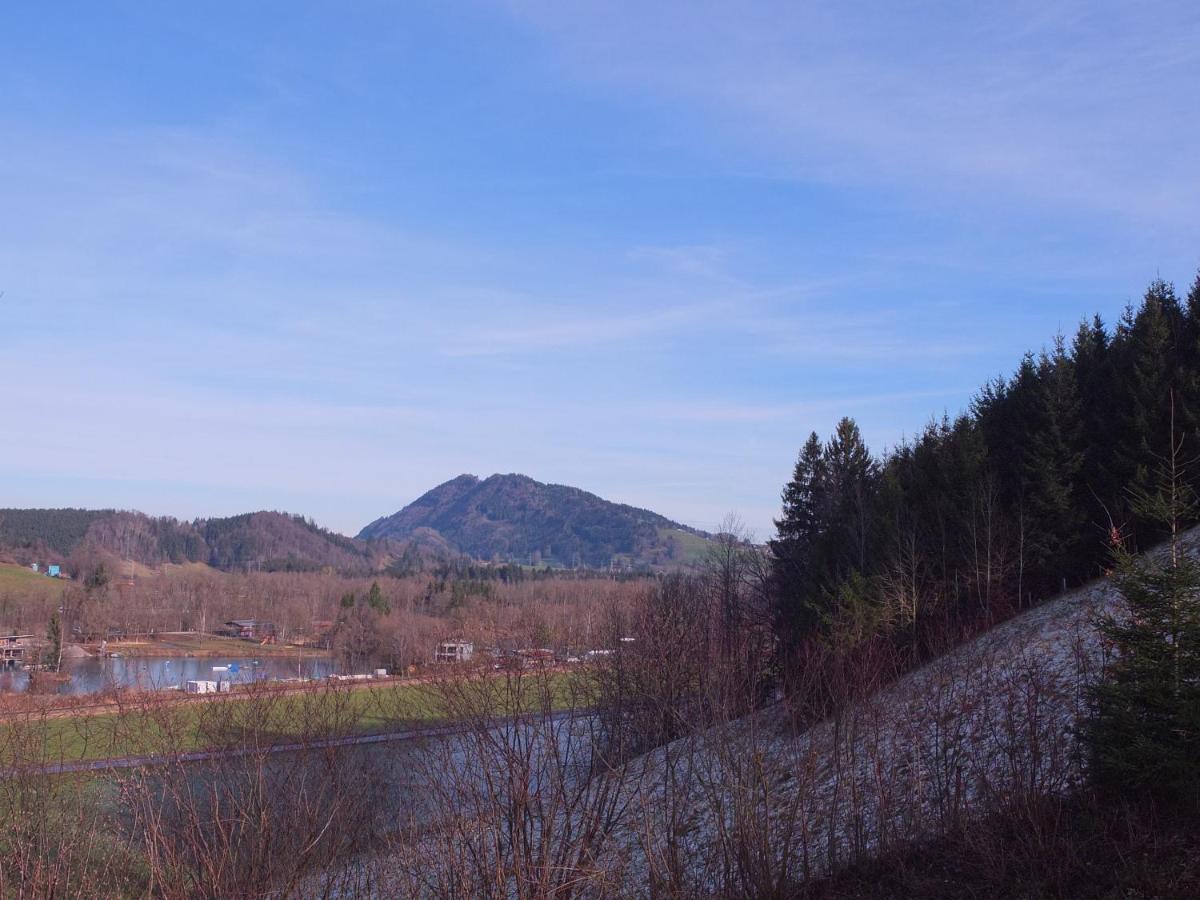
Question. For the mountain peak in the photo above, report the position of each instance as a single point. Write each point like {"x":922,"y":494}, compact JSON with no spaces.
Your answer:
{"x":513,"y":517}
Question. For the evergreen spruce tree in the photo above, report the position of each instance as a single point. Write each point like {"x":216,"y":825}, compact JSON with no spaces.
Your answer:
{"x":1143,"y":734}
{"x":1008,"y":416}
{"x":844,"y":559}
{"x":1187,"y":400}
{"x":1050,"y":471}
{"x":54,"y":637}
{"x":1010,"y":497}
{"x":798,"y":529}
{"x":852,"y":476}
{"x":1094,"y":378}
{"x":376,"y":600}
{"x":971,"y":522}
{"x":1009,"y":419}
{"x":1148,"y":365}
{"x":97,"y":579}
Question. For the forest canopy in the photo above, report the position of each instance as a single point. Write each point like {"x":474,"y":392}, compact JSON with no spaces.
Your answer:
{"x":1018,"y":497}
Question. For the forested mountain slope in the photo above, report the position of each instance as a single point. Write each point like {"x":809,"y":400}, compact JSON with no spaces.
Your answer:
{"x":268,"y":541}
{"x":513,"y":517}
{"x":505,"y":517}
{"x":1006,"y":504}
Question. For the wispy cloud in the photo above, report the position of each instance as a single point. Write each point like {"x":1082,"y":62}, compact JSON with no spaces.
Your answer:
{"x":731,"y":412}
{"x":642,"y":248}
{"x":582,"y":332}
{"x":703,"y":261}
{"x":1043,"y":104}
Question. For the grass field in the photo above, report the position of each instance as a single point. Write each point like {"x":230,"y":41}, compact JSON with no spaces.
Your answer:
{"x":169,"y":724}
{"x":693,"y":548}
{"x":21,"y":578}
{"x":184,"y":644}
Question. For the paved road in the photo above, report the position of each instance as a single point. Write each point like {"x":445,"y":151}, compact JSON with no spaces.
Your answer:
{"x":195,"y":756}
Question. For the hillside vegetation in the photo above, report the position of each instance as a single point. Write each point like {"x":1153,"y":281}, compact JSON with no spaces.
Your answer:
{"x":952,"y":656}
{"x":57,"y":531}
{"x":505,"y":518}
{"x":259,"y":541}
{"x":900,"y":681}
{"x":1022,"y":495}
{"x":22,"y":580}
{"x":514,"y":518}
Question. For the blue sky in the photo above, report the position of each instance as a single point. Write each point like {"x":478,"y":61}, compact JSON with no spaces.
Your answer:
{"x":321,"y":257}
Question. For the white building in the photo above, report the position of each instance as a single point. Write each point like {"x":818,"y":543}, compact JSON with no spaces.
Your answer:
{"x":207,"y":687}
{"x":454,"y":652}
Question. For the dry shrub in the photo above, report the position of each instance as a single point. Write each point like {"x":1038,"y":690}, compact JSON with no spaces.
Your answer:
{"x":280,"y":806}
{"x":1071,"y":847}
{"x":517,"y":803}
{"x":61,"y":836}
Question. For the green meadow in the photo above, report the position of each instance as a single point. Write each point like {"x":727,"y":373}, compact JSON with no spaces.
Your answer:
{"x":166,"y":726}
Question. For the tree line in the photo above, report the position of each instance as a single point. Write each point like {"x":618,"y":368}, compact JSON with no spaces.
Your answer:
{"x":260,"y":541}
{"x":1013,"y":500}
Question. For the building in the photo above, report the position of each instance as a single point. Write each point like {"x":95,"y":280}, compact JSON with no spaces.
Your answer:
{"x":53,"y":571}
{"x":207,"y":687}
{"x":248,"y":629}
{"x":18,"y":649}
{"x":535,"y":656}
{"x":454,"y":652}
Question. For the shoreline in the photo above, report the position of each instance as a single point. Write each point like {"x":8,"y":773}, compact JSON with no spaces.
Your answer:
{"x":210,"y":646}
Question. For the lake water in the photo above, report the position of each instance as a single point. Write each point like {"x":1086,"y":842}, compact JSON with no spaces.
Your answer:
{"x":89,"y":676}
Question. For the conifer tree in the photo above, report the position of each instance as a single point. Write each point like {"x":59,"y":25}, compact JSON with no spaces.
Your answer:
{"x":913,"y":490}
{"x":852,"y":474}
{"x":1143,"y":735}
{"x":1051,"y":464}
{"x":1010,"y":498}
{"x":376,"y":601}
{"x":1187,"y":400}
{"x":54,"y":638}
{"x":1094,"y":380}
{"x":842,"y":559}
{"x":1008,"y":413}
{"x":798,"y":530}
{"x":1146,"y":348}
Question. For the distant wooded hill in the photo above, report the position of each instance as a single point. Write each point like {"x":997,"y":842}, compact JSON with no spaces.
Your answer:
{"x":513,"y":518}
{"x":266,"y":541}
{"x":510,"y":518}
